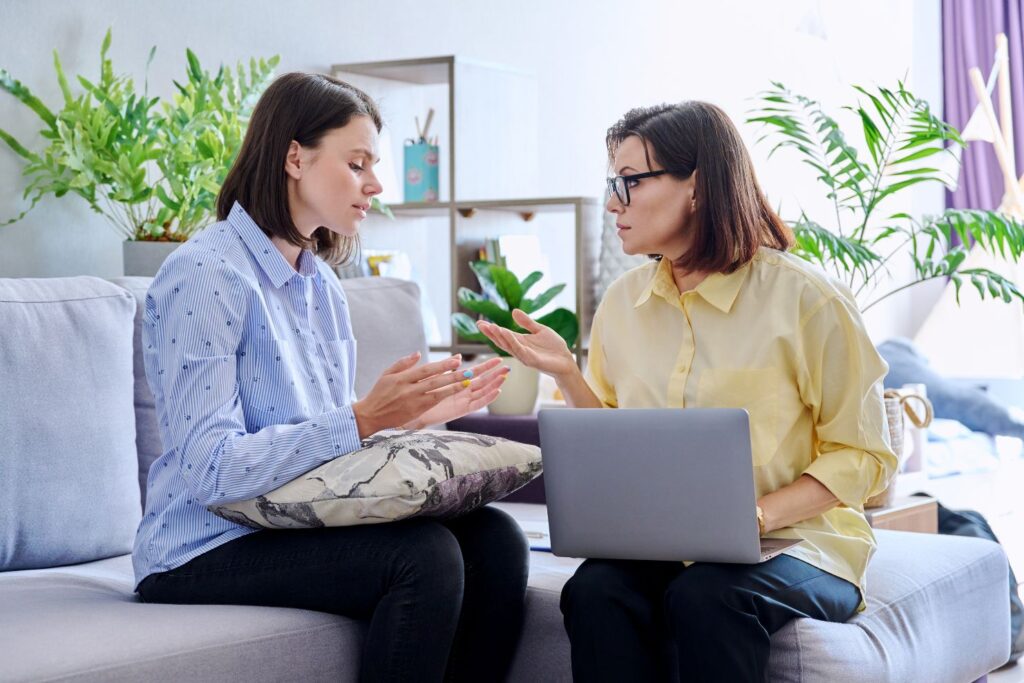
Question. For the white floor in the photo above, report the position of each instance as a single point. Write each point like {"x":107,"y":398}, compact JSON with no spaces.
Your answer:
{"x":1013,"y":674}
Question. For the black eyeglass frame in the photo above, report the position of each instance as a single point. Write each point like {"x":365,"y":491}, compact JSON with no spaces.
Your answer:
{"x":613,"y":181}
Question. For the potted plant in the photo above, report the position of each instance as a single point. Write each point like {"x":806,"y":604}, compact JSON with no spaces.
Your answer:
{"x":907,"y":146}
{"x":152,"y":168}
{"x":503,"y":292}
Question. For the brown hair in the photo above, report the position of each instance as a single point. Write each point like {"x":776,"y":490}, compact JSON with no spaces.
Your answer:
{"x":301,"y":107}
{"x":733,"y":215}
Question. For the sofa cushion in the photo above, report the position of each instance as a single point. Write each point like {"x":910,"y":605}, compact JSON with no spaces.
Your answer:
{"x":83,"y":623}
{"x":68,"y":473}
{"x":147,"y":430}
{"x":395,"y":475}
{"x":937,"y":611}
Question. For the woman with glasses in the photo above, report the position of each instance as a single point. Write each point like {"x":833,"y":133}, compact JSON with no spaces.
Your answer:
{"x":721,"y":316}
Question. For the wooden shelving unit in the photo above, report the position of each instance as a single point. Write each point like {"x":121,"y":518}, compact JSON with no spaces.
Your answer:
{"x":489,"y":184}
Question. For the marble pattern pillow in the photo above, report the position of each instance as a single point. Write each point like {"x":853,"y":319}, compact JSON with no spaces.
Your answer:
{"x":395,"y":475}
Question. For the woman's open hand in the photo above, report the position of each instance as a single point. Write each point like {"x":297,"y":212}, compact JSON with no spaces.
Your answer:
{"x":539,"y":348}
{"x":405,"y":391}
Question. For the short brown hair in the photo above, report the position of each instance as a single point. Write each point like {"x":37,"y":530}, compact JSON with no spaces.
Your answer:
{"x":301,"y":107}
{"x":733,"y":216}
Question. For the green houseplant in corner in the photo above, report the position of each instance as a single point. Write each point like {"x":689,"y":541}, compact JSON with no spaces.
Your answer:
{"x":907,"y":145}
{"x":503,"y":292}
{"x":152,"y":168}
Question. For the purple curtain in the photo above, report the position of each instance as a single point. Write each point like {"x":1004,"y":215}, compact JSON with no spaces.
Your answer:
{"x":969,"y":29}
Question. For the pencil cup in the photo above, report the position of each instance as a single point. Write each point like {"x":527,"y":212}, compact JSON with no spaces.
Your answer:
{"x":421,"y":172}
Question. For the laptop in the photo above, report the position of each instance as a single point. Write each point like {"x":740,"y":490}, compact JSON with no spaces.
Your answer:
{"x":652,"y":484}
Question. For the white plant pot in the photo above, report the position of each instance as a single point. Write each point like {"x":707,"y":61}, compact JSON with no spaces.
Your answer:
{"x":142,"y":257}
{"x":519,"y":392}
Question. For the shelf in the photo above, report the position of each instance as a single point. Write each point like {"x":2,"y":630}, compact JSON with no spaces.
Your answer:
{"x":420,"y":209}
{"x":471,"y":100}
{"x":544,"y":205}
{"x":538,"y":205}
{"x":428,"y":71}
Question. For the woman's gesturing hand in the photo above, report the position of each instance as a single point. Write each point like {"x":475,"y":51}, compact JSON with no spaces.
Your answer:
{"x":539,"y":348}
{"x":484,"y":386}
{"x":405,"y":391}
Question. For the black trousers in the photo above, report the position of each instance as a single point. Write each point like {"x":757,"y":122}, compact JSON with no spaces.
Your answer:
{"x":444,"y":599}
{"x":658,"y":621}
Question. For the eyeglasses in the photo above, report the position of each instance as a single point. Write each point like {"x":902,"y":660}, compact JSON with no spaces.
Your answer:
{"x":619,"y":185}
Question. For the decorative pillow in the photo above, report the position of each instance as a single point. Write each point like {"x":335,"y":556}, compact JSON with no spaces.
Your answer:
{"x":397,"y":474}
{"x":69,"y":491}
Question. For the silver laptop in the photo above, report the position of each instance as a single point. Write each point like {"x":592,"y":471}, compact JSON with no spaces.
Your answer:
{"x":652,"y":484}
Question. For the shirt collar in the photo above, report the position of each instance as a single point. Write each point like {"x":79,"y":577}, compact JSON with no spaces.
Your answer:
{"x":272,"y":261}
{"x":718,"y":289}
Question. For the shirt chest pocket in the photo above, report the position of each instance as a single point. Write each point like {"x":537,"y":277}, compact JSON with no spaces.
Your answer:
{"x":757,"y":391}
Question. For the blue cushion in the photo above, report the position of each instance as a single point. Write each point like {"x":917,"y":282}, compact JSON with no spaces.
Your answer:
{"x":68,"y":487}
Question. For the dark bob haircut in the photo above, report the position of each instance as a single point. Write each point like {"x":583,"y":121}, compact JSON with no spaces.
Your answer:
{"x":733,"y":216}
{"x":301,"y":107}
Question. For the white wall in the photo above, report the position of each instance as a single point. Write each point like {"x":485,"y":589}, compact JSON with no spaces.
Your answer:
{"x":593,"y":60}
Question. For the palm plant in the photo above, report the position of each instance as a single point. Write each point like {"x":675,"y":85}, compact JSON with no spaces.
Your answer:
{"x":502,"y":292}
{"x":907,"y":145}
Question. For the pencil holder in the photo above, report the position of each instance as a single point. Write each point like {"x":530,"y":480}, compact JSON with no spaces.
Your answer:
{"x":421,"y":172}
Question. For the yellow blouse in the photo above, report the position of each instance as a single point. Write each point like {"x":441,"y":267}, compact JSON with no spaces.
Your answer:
{"x":782,"y":339}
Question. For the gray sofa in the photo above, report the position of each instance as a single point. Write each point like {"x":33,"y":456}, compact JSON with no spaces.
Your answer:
{"x":78,"y":432}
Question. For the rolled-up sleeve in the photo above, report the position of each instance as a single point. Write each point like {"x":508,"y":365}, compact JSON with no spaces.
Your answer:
{"x":841,"y":382}
{"x":193,"y":324}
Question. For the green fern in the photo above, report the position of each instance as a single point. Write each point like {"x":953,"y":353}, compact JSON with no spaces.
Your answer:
{"x":152,"y":171}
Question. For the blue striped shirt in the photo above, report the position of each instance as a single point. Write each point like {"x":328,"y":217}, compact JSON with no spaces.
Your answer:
{"x":252,"y":365}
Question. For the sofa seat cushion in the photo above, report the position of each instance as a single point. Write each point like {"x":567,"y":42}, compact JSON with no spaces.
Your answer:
{"x":84,"y":623}
{"x":937,"y":611}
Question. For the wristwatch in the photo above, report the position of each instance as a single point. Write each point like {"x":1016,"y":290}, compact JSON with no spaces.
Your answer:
{"x":760,"y":521}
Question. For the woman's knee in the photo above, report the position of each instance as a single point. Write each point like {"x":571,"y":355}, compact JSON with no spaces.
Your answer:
{"x":700,"y":600}
{"x":595,"y":582}
{"x":429,"y":556}
{"x":493,"y":536}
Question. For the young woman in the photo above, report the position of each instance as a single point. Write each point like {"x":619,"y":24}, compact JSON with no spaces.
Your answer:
{"x":721,"y":317}
{"x":250,"y":355}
